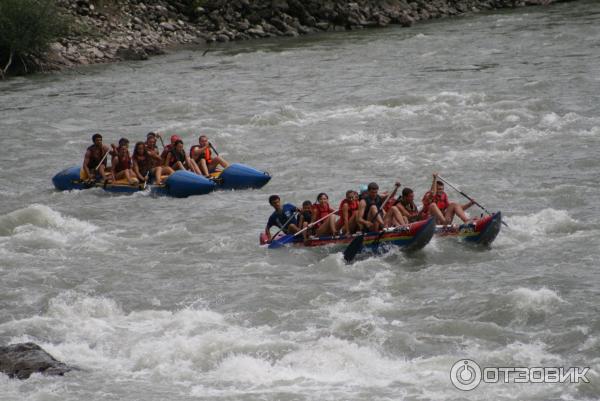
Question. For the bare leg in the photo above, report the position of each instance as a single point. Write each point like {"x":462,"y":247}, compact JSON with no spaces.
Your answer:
{"x":203,"y":167}
{"x":178,"y":166}
{"x":218,"y":161}
{"x":437,"y":213}
{"x":378,"y":221}
{"x":331,"y":222}
{"x":394,"y":218}
{"x":455,"y":209}
{"x":194,"y":167}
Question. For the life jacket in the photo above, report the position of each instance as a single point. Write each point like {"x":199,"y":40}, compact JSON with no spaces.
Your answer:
{"x":145,"y":164}
{"x":152,"y":149}
{"x":307,"y":216}
{"x":165,"y":153}
{"x":206,"y":155}
{"x":441,"y":200}
{"x":124,"y":162}
{"x":388,"y":205}
{"x":175,"y":157}
{"x":352,"y":207}
{"x":410,"y":207}
{"x":370,"y":202}
{"x":320,"y":211}
{"x":96,"y":155}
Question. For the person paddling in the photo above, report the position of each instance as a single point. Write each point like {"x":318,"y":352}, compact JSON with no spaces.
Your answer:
{"x":436,"y":203}
{"x":368,"y":220}
{"x":202,"y":154}
{"x":94,"y":160}
{"x":406,"y":205}
{"x":151,"y":144}
{"x":319,"y":211}
{"x":348,"y":221}
{"x":146,"y":163}
{"x":177,"y":159}
{"x":121,"y":162}
{"x":283,"y":217}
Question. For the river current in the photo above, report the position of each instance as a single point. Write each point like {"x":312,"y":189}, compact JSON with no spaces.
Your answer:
{"x":156,"y":298}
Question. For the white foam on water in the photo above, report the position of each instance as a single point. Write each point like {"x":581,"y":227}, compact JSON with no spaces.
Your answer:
{"x":42,"y":217}
{"x":530,"y":300}
{"x":546,"y":221}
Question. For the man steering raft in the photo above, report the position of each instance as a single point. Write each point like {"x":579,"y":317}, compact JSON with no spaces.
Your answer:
{"x":436,"y":204}
{"x":283,"y":217}
{"x":94,"y":160}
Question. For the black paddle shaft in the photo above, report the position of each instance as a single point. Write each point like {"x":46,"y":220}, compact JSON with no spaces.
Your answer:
{"x":357,"y":243}
{"x":284,"y":225}
{"x":469,"y":198}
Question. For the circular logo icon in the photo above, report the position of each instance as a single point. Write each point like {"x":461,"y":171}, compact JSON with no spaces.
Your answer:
{"x":465,"y":375}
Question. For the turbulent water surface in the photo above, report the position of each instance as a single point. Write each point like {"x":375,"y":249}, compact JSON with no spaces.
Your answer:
{"x":161,"y":298}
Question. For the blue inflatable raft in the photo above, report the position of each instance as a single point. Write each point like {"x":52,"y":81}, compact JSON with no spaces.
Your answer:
{"x":180,"y":184}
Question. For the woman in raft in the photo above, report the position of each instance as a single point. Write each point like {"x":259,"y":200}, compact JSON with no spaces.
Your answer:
{"x":146,"y":163}
{"x":320,"y":210}
{"x":347,"y":223}
{"x":121,"y":162}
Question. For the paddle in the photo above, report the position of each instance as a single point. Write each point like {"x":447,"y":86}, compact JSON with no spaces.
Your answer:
{"x":213,"y":148}
{"x":467,"y":196}
{"x":289,"y":237}
{"x":161,"y":141}
{"x":93,"y":172}
{"x":284,"y":224}
{"x":357,"y":243}
{"x":146,"y":180}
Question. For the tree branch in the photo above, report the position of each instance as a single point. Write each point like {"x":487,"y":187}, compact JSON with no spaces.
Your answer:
{"x":5,"y":69}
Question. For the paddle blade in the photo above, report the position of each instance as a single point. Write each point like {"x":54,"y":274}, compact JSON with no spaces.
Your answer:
{"x":278,"y":243}
{"x":354,"y":248}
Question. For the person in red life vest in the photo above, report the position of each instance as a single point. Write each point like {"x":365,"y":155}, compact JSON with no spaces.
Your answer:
{"x":320,"y":210}
{"x":348,"y":209}
{"x":435,"y":203}
{"x":202,"y":154}
{"x":177,"y":159}
{"x":408,"y":208}
{"x":93,"y":155}
{"x":121,"y":162}
{"x":146,"y":163}
{"x":167,"y":149}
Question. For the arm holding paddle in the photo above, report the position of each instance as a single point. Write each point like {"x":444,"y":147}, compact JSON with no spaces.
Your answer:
{"x":268,"y":229}
{"x":290,"y":237}
{"x":472,"y":201}
{"x":357,"y":243}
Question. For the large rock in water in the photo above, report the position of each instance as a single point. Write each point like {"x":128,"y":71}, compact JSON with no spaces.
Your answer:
{"x":22,"y":360}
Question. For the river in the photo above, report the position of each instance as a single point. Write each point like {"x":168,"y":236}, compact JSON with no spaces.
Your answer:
{"x":156,"y":298}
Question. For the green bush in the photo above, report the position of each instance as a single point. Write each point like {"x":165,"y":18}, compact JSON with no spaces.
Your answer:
{"x":27,"y":27}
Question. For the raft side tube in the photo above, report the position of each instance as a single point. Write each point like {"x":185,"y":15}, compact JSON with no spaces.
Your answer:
{"x":68,"y":179}
{"x":182,"y":184}
{"x":241,"y":176}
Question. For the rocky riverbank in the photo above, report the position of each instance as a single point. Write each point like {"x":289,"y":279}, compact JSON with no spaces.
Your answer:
{"x":111,"y":30}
